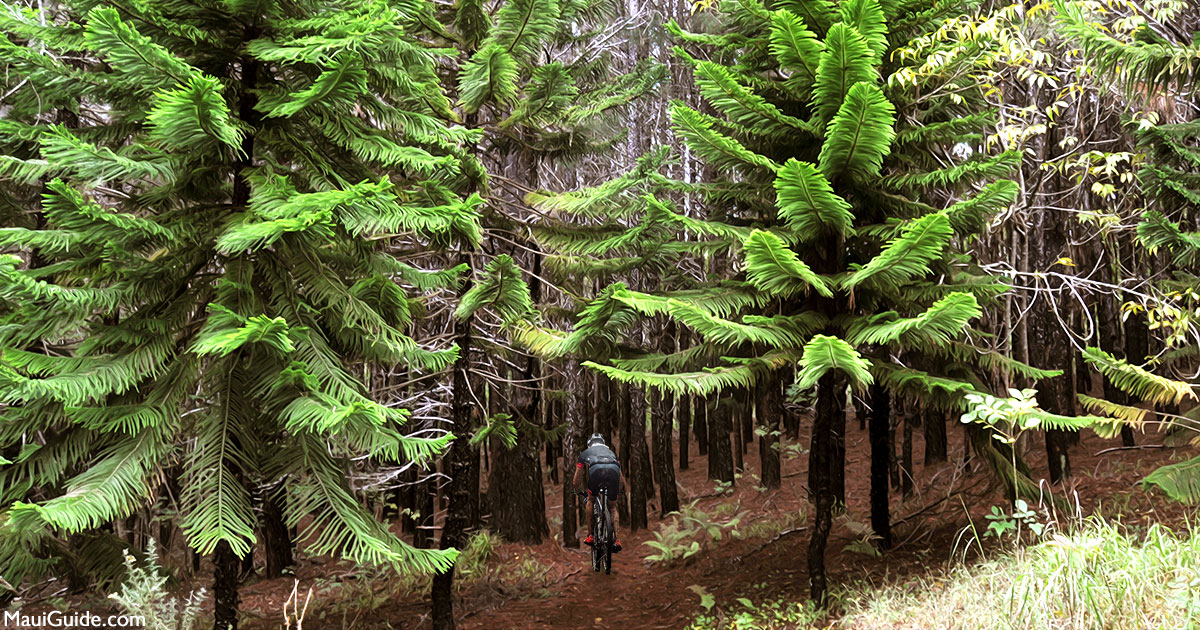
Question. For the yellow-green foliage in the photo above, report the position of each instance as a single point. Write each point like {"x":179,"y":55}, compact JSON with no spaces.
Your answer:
{"x":1101,"y":577}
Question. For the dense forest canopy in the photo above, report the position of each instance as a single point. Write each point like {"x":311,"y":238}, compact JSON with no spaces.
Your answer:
{"x":291,"y":285}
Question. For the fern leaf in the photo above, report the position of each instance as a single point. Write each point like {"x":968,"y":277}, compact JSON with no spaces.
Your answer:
{"x":824,"y":353}
{"x":1137,"y":381}
{"x":907,"y":256}
{"x":867,"y":18}
{"x":773,"y":267}
{"x":741,"y":106}
{"x":807,"y":203}
{"x":1180,"y":481}
{"x":846,"y":60}
{"x":490,"y":76}
{"x":945,"y":319}
{"x":501,"y":290}
{"x":860,"y":134}
{"x":715,"y":148}
{"x":797,"y":49}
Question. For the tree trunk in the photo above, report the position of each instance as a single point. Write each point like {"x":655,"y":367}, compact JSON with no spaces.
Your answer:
{"x":277,"y":543}
{"x":906,"y":455}
{"x":683,"y":407}
{"x":515,"y":487}
{"x":820,"y":486}
{"x":767,"y":412}
{"x":642,"y":488}
{"x":574,"y":441}
{"x":837,"y":445}
{"x":700,"y":423}
{"x":456,"y":464}
{"x":720,"y":453}
{"x":225,"y":587}
{"x":880,"y":416}
{"x":934,"y":421}
{"x":664,"y":459}
{"x":624,"y":412}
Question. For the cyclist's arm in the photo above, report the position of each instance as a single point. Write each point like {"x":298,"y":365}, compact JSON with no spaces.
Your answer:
{"x":578,"y":480}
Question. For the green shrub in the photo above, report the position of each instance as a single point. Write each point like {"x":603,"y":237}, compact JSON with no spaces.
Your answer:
{"x":144,"y":594}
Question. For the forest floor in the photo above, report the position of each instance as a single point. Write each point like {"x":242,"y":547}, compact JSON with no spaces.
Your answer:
{"x":548,"y":586}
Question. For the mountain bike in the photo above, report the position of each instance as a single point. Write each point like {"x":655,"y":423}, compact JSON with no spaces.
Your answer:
{"x":606,"y":535}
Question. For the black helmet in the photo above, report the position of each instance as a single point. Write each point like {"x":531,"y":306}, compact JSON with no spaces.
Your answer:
{"x":595,"y":439}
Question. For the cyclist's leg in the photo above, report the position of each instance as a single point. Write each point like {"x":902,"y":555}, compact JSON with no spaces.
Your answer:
{"x":591,"y":519}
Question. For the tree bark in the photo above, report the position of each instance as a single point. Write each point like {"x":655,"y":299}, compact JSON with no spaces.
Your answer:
{"x":641,"y":486}
{"x":277,"y":543}
{"x":837,"y":445}
{"x":225,"y":587}
{"x":574,"y":442}
{"x":456,"y":463}
{"x":683,"y":407}
{"x":906,"y":455}
{"x":880,"y":421}
{"x":820,"y":486}
{"x":664,"y":459}
{"x":700,"y":423}
{"x":720,"y":453}
{"x":768,"y":410}
{"x":934,"y":422}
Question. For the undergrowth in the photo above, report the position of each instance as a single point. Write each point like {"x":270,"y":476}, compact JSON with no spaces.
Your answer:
{"x":1101,"y":576}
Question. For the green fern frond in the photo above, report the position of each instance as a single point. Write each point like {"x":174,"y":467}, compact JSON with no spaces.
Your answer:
{"x":819,"y":14}
{"x":1137,"y":381}
{"x":713,"y":147}
{"x":797,"y":49}
{"x":846,"y":60}
{"x":807,"y":202}
{"x":937,"y":325}
{"x":1179,"y":481}
{"x":338,"y":87}
{"x":499,"y":426}
{"x":867,"y":18}
{"x":743,"y":107}
{"x":490,"y":76}
{"x":522,"y":26}
{"x":193,"y":117}
{"x":824,"y":353}
{"x":860,"y":134}
{"x":907,"y":256}
{"x":1155,"y":232}
{"x":773,"y":267}
{"x":501,"y":290}
{"x":1132,"y":416}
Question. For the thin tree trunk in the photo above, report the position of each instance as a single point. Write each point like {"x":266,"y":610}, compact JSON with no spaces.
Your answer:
{"x":906,"y":455}
{"x":880,"y":415}
{"x":934,"y":422}
{"x":720,"y":455}
{"x":820,"y":487}
{"x":767,"y":413}
{"x":700,"y":423}
{"x":664,"y":459}
{"x":456,"y":463}
{"x":277,"y":543}
{"x":225,"y":587}
{"x":642,"y":488}
{"x":837,"y":445}
{"x":683,"y":407}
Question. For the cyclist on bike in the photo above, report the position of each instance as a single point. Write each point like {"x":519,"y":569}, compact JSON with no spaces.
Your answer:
{"x":604,"y":473}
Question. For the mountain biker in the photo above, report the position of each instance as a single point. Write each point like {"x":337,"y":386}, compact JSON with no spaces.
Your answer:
{"x":603,"y":472}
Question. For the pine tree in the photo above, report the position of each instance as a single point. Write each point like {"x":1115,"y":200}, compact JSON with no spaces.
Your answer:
{"x":838,"y":207}
{"x":205,"y":278}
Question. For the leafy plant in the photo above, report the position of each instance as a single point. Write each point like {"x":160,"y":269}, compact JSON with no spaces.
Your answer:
{"x":143,"y":593}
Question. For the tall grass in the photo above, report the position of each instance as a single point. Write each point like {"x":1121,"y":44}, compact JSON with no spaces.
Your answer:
{"x":1100,"y":577}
